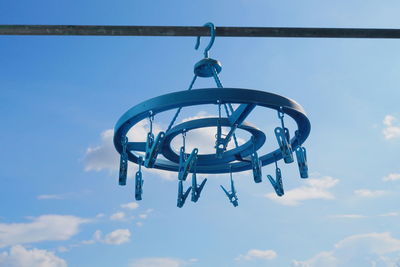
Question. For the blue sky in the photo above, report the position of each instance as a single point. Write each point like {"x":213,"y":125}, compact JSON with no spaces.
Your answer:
{"x":61,"y":97}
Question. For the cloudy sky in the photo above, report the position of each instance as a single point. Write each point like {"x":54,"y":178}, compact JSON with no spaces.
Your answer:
{"x":61,"y":97}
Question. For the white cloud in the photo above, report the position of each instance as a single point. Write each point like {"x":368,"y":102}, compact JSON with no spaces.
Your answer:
{"x":348,"y":216}
{"x":199,"y":115}
{"x":390,"y":131}
{"x":390,"y":214}
{"x":314,"y":189}
{"x":105,"y":157}
{"x":203,"y":138}
{"x":146,"y":214}
{"x":369,"y":193}
{"x":118,"y":237}
{"x":139,"y":224}
{"x":372,"y":249}
{"x":62,"y":249}
{"x":97,"y":235}
{"x":324,"y":258}
{"x":130,"y":205}
{"x":388,"y":120}
{"x":100,"y":215}
{"x":50,"y":197}
{"x":18,"y":256}
{"x":254,"y":254}
{"x":392,"y":177}
{"x":165,"y":175}
{"x":158,"y":262}
{"x":43,"y":228}
{"x":118,"y":216}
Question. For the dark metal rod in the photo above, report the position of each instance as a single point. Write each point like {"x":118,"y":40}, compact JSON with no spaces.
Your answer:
{"x":198,"y":31}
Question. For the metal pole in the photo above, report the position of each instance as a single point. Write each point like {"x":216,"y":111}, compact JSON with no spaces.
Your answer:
{"x":198,"y":31}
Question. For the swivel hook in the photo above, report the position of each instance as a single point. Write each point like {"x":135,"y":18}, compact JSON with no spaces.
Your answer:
{"x":210,"y":44}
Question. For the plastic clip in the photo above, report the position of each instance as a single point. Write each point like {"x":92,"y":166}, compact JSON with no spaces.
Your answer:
{"x":302,"y":161}
{"x":153,"y":148}
{"x":186,"y":165}
{"x":231,"y":194}
{"x":277,"y":183}
{"x":256,"y":164}
{"x":219,"y":143}
{"x":284,"y":145}
{"x":139,"y":181}
{"x":123,"y":163}
{"x":196,"y":190}
{"x":182,"y":195}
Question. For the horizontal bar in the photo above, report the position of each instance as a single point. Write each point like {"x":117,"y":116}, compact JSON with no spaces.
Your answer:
{"x":92,"y":30}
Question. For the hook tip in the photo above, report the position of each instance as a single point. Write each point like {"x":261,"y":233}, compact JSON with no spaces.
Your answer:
{"x":212,"y":33}
{"x":197,"y":43}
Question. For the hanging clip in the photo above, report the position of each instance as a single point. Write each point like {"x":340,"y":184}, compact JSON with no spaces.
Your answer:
{"x":153,"y":146}
{"x":123,"y":163}
{"x":284,"y":145}
{"x":231,"y":194}
{"x":283,"y":138}
{"x":153,"y":149}
{"x":301,"y":155}
{"x":219,"y":143}
{"x":277,"y":183}
{"x":196,"y":190}
{"x":186,"y":165}
{"x":281,"y":114}
{"x":139,"y":181}
{"x":302,"y":161}
{"x":182,"y":195}
{"x":210,"y":44}
{"x":256,"y":165}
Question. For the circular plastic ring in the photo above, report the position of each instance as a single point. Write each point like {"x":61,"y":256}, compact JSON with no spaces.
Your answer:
{"x":237,"y":153}
{"x":211,"y":96}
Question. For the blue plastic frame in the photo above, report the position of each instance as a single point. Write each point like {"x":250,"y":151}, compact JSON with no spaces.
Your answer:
{"x":216,"y":96}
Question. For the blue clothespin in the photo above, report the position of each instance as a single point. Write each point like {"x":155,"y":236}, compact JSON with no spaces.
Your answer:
{"x":256,"y":165}
{"x":153,"y":148}
{"x":186,"y":165}
{"x":284,"y":145}
{"x":283,"y":137}
{"x":182,"y":195}
{"x":301,"y":155}
{"x":123,"y":163}
{"x":302,"y":161}
{"x":219,"y":143}
{"x":277,"y":183}
{"x":287,"y":134}
{"x":139,"y":181}
{"x":196,"y":190}
{"x":231,"y":194}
